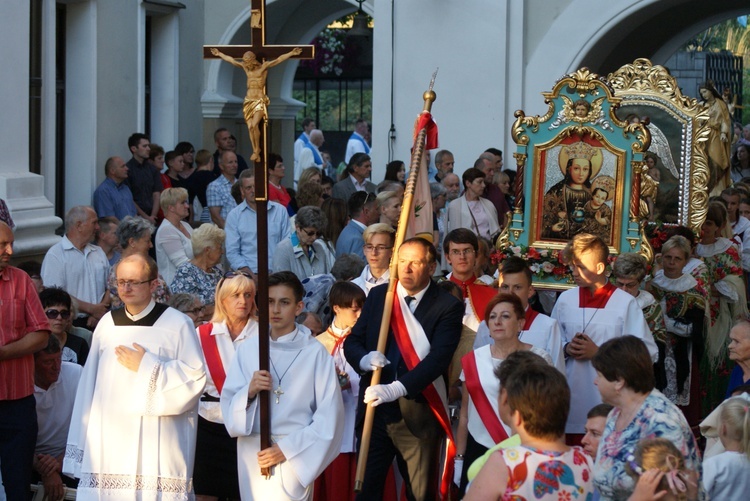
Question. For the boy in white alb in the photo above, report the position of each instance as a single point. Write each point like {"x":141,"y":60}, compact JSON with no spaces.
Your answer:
{"x":589,"y":315}
{"x":539,"y":329}
{"x":307,"y":412}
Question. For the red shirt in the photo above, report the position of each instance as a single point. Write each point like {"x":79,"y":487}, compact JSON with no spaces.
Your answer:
{"x":21,"y":312}
{"x":279,"y":195}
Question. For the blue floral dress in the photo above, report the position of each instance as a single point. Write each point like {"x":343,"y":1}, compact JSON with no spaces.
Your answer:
{"x":657,"y":418}
{"x":191,"y":279}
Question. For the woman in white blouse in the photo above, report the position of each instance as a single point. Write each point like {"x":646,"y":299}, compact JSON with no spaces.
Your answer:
{"x":471,"y":210}
{"x":173,"y":246}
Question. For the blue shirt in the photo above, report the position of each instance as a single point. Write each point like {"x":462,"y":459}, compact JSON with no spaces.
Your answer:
{"x":242,"y":234}
{"x":111,"y":199}
{"x":735,"y":380}
{"x":219,"y":194}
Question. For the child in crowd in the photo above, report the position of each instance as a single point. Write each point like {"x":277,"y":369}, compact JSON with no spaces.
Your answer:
{"x":726,"y":476}
{"x":538,"y":400}
{"x":661,"y":472}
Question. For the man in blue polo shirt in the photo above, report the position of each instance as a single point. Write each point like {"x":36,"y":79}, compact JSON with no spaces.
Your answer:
{"x":113,"y":197}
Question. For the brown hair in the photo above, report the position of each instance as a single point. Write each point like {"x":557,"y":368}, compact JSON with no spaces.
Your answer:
{"x":542,"y":397}
{"x":504,"y":297}
{"x":583,"y":243}
{"x":626,"y":358}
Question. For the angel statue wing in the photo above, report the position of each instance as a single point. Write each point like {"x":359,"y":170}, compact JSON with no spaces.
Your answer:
{"x":660,"y":148}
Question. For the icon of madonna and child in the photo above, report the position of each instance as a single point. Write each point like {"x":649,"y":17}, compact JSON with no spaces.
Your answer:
{"x":582,"y":201}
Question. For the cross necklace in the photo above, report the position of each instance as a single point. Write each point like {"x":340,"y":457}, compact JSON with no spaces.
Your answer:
{"x":278,"y":391}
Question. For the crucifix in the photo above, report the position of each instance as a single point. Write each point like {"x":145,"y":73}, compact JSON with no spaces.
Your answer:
{"x":278,"y":392}
{"x":255,"y":59}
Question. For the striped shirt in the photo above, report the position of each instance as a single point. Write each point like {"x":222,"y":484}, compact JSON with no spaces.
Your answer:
{"x":21,"y":313}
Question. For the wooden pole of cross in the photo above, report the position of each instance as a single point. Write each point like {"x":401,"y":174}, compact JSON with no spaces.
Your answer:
{"x":255,"y":59}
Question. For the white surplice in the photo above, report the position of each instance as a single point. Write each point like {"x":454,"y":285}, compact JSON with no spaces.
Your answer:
{"x":132,"y":434}
{"x":306,"y":423}
{"x":619,"y":316}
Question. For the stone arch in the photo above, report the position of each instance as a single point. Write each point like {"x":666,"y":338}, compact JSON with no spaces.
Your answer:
{"x":624,"y":31}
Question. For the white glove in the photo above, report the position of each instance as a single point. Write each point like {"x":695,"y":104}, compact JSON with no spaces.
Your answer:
{"x":382,"y":393}
{"x":372,"y":361}
{"x":458,"y":469}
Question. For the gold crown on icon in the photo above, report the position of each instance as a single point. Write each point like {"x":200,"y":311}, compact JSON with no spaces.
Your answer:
{"x":580,"y":150}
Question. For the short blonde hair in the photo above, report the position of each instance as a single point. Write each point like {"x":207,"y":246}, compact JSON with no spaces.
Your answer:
{"x":677,"y":242}
{"x":172,"y":196}
{"x":205,"y":236}
{"x":307,"y":175}
{"x":376,"y":228}
{"x":238,"y":284}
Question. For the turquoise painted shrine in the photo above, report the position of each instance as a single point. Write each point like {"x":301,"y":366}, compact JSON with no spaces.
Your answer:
{"x":580,"y":169}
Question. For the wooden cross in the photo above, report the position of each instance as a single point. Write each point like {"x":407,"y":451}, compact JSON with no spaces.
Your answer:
{"x":267,"y":55}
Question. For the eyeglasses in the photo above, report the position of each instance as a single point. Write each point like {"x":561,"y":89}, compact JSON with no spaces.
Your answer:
{"x":195,"y":311}
{"x":378,"y":248}
{"x":53,"y":314}
{"x":131,"y":283}
{"x":626,"y":285}
{"x":313,"y":233}
{"x":461,"y":252}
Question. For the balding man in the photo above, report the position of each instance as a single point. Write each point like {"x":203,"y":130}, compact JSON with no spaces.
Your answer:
{"x":308,"y":124}
{"x":219,"y":192}
{"x":310,"y":155}
{"x":224,"y":142}
{"x":80,"y":267}
{"x":113,"y":198}
{"x":24,"y":329}
{"x":452,"y":184}
{"x":444,"y":163}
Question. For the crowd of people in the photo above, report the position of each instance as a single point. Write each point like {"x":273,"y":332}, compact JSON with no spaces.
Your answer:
{"x":129,"y":357}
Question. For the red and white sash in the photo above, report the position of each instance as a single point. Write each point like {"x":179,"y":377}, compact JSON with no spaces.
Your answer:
{"x":483,"y":402}
{"x":211,"y":353}
{"x":414,"y":346}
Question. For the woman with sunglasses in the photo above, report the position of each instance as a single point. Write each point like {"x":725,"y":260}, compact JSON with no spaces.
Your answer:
{"x":234,"y":321}
{"x":57,"y":306}
{"x":303,"y":253}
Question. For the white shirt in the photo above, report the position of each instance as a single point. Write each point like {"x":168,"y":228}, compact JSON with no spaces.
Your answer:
{"x":54,"y":406}
{"x":727,"y":476}
{"x":173,"y":249}
{"x":366,"y":281}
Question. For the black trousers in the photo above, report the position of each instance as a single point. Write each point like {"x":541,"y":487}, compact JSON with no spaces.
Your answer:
{"x":18,"y":430}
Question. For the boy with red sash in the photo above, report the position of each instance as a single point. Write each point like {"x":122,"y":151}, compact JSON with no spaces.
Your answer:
{"x":538,"y":329}
{"x":460,"y":247}
{"x":411,"y":408}
{"x":589,"y":315}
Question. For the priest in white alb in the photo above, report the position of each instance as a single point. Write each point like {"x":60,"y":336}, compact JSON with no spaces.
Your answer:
{"x":132,"y":434}
{"x":307,"y":412}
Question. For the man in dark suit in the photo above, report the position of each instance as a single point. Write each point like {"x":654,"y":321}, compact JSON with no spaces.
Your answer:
{"x":363,"y":211}
{"x":359,"y":169}
{"x":404,"y":425}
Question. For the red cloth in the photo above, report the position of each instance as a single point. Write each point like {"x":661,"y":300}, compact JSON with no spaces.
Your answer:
{"x":598,"y":299}
{"x":21,"y":312}
{"x":336,"y":483}
{"x":478,"y":293}
{"x":279,"y":195}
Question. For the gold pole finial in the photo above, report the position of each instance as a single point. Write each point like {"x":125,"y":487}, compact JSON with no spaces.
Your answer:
{"x":429,"y":96}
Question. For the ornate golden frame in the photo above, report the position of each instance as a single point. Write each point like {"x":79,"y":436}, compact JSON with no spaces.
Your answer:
{"x":643,"y":83}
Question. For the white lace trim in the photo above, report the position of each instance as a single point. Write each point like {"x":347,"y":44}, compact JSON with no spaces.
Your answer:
{"x":151,"y":391}
{"x":644,"y":299}
{"x":73,"y":453}
{"x":113,"y":481}
{"x":691,"y":265}
{"x":685,"y":282}
{"x":721,"y":245}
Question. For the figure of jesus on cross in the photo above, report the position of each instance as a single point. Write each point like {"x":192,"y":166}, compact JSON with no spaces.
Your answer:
{"x":255,"y":107}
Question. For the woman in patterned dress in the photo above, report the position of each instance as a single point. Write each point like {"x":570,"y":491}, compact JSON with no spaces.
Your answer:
{"x":201,"y":274}
{"x":625,"y":379}
{"x":726,"y":303}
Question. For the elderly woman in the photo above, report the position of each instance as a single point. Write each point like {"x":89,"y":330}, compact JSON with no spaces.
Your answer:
{"x":173,"y":246}
{"x":389,"y":206}
{"x":471,"y":210}
{"x":625,"y":379}
{"x":233,"y":322}
{"x":134,"y":235}
{"x":739,"y":352}
{"x":477,"y":431}
{"x":310,"y":175}
{"x":302,"y":253}
{"x":200,"y":275}
{"x":190,"y":305}
{"x":683,"y":303}
{"x":630,"y":270}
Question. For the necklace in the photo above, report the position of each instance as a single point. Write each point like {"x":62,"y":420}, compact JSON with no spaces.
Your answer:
{"x":278,"y":391}
{"x":598,"y":306}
